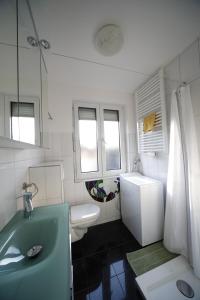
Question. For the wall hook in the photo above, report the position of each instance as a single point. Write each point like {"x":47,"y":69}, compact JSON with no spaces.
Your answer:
{"x":50,"y":116}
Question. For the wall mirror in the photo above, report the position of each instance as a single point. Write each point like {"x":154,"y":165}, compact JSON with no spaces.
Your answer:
{"x":23,"y":88}
{"x":8,"y":58}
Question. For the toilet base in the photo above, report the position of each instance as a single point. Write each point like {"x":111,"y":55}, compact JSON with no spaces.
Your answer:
{"x":77,"y":233}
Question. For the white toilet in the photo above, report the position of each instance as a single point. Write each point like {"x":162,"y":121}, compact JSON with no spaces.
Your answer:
{"x":81,"y":217}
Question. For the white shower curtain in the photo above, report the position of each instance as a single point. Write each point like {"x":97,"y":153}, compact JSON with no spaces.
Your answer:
{"x":175,"y":229}
{"x":182,"y":218}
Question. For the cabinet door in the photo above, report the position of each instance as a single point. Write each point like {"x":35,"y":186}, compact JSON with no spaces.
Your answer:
{"x":45,"y":117}
{"x":8,"y":61}
{"x":26,"y":113}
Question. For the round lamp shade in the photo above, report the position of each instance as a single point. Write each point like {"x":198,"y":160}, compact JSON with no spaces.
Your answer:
{"x":109,"y":40}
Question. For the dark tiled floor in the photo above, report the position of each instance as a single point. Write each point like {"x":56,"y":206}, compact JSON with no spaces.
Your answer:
{"x":101,"y":270}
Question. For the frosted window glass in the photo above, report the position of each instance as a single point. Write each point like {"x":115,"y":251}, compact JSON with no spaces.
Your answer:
{"x":23,"y":129}
{"x":88,"y":139}
{"x":23,"y":122}
{"x":112,"y":139}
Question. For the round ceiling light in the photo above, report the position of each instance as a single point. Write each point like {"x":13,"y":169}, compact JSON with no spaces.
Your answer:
{"x":109,"y":40}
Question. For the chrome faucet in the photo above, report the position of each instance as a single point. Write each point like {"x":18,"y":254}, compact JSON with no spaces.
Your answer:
{"x":28,"y":204}
{"x":27,"y":198}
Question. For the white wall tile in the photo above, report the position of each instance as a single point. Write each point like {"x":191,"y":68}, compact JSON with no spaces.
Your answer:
{"x":60,"y":145}
{"x":13,"y":172}
{"x":66,"y":144}
{"x":172,"y":76}
{"x":132,"y":157}
{"x":197,"y":123}
{"x":69,"y":192}
{"x":132,"y":142}
{"x":183,"y":68}
{"x":73,"y":192}
{"x":168,"y":108}
{"x":189,"y":63}
{"x":195,"y":95}
{"x":37,"y":175}
{"x":21,"y":175}
{"x":68,"y":164}
{"x":53,"y":182}
{"x":172,"y":70}
{"x":8,"y":202}
{"x":6,"y":156}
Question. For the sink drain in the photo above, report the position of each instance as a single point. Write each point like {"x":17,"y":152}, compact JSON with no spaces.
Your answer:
{"x":34,"y":251}
{"x":185,"y":288}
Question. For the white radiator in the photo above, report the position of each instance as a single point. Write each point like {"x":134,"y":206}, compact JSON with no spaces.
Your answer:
{"x":150,"y":97}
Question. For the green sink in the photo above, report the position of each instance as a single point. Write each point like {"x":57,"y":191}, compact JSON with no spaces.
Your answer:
{"x":13,"y":253}
{"x":46,"y":275}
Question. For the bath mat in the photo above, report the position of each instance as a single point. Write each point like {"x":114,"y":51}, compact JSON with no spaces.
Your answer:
{"x":148,"y":258}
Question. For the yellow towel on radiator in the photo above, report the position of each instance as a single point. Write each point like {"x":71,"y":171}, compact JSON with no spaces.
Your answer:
{"x":149,"y":122}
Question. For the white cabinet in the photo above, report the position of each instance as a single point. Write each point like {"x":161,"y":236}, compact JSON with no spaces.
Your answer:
{"x":142,"y":207}
{"x":48,"y":177}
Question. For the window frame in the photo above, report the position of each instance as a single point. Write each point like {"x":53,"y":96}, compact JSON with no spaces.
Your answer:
{"x":121,"y":139}
{"x":78,"y":174}
{"x":101,"y":155}
{"x":7,"y":120}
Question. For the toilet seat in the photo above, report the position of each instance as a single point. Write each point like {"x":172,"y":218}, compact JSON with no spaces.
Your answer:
{"x":84,"y":213}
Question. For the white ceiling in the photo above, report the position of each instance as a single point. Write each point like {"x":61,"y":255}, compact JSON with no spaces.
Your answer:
{"x":154,"y":31}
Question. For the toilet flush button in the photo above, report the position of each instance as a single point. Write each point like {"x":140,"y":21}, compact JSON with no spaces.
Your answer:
{"x":185,"y":288}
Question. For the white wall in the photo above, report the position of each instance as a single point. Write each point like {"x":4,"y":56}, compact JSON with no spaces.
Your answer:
{"x":14,"y":163}
{"x":13,"y":172}
{"x":61,"y":97}
{"x":184,"y":67}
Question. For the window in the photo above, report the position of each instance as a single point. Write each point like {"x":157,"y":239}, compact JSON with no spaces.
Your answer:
{"x":88,"y":139}
{"x":112,"y":139}
{"x":98,"y":140}
{"x":22,"y":119}
{"x":23,"y":122}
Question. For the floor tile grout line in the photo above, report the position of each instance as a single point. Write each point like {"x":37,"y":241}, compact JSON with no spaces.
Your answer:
{"x":121,"y":286}
{"x":90,"y":286}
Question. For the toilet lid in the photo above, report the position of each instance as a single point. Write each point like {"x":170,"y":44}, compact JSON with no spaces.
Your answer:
{"x":83,"y":212}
